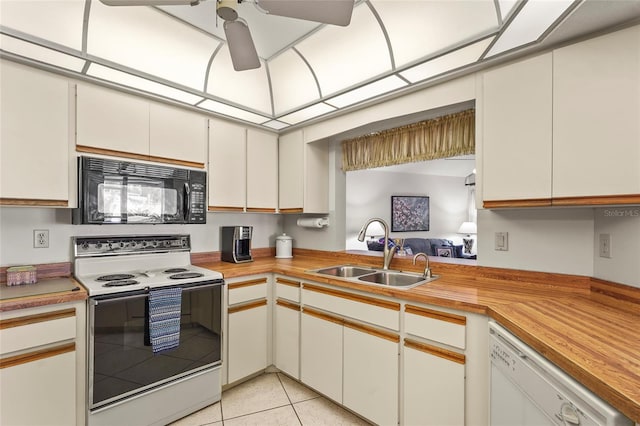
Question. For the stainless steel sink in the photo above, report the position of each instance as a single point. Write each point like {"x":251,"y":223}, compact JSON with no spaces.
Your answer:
{"x":396,"y":279}
{"x":345,"y":271}
{"x":364,"y":275}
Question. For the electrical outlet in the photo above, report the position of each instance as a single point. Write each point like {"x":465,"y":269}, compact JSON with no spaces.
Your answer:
{"x":40,"y":238}
{"x":604,"y":247}
{"x":502,"y":241}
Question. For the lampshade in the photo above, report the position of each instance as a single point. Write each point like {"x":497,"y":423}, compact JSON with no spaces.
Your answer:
{"x":468,"y":228}
{"x":374,"y":229}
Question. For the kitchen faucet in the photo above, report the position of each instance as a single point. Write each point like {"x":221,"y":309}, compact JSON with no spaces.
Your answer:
{"x":387,"y":253}
{"x":427,"y":270}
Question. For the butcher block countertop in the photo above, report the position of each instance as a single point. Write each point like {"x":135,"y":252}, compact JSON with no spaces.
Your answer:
{"x":48,"y":291}
{"x":589,"y":328}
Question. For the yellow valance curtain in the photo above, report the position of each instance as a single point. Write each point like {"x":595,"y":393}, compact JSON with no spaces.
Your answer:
{"x":442,"y":137}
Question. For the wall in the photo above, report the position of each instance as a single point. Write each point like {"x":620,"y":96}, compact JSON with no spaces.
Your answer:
{"x":369,"y":195}
{"x":623,"y":226}
{"x":17,"y":225}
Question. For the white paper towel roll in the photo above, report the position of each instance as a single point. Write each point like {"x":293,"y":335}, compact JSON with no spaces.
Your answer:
{"x":317,"y":222}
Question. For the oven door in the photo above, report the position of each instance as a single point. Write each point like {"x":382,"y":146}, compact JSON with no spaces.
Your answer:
{"x":122,"y":365}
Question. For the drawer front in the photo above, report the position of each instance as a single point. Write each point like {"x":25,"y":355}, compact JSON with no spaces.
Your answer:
{"x":288,"y":289}
{"x":245,"y":291}
{"x":438,"y":326}
{"x":374,"y":311}
{"x":30,"y":331}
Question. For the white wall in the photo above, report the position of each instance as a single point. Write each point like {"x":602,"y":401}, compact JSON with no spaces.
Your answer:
{"x":369,"y":195}
{"x":623,"y":226}
{"x":17,"y":225}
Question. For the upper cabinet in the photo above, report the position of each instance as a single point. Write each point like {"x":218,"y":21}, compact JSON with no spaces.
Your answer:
{"x":303,"y":175}
{"x":262,"y":171}
{"x":227,"y":166}
{"x":563,"y":128}
{"x":517,"y":140}
{"x":34,"y":156}
{"x":118,"y":124}
{"x":596,"y":109}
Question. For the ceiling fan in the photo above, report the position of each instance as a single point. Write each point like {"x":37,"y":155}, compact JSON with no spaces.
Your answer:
{"x":241,"y":46}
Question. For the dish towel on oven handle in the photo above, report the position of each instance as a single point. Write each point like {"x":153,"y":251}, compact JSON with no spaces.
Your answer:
{"x":164,"y":318}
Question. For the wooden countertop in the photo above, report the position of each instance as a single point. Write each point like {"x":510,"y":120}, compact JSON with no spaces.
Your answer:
{"x":587,"y":327}
{"x":48,"y":291}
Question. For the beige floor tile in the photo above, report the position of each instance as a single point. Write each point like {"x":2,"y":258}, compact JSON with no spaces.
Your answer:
{"x":211,"y":415}
{"x":321,"y":411}
{"x":259,"y":394}
{"x":281,"y":416}
{"x":296,"y":391}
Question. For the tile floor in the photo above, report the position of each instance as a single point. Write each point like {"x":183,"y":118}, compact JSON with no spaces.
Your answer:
{"x":271,"y":399}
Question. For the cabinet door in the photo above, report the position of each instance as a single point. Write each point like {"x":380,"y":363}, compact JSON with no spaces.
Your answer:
{"x":291,"y":172}
{"x":176,"y":134}
{"x":371,"y":374}
{"x":40,"y":392}
{"x":596,"y":116}
{"x":111,"y":121}
{"x":34,"y":160}
{"x":287,"y":338}
{"x":247,"y":352}
{"x":434,"y":386}
{"x":227,"y":166}
{"x":517,"y":102}
{"x":262,"y":171}
{"x":321,"y":354}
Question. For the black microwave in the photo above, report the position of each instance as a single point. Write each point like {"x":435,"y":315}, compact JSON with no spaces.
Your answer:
{"x":125,"y":192}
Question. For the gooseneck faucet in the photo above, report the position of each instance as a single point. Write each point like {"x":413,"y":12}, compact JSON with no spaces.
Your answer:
{"x":427,"y":270}
{"x":387,"y":252}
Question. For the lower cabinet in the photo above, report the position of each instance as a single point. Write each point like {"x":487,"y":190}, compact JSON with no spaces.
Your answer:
{"x":287,"y":337}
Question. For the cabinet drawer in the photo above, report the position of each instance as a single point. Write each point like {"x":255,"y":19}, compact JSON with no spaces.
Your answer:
{"x":244,"y":291}
{"x":288,"y":289}
{"x":374,"y":311}
{"x":438,"y":326}
{"x":30,"y":331}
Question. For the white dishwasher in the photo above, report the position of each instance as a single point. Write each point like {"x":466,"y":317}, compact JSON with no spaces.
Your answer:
{"x":528,"y":390}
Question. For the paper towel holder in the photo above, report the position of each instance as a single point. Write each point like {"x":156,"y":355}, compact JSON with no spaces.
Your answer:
{"x":319,"y":222}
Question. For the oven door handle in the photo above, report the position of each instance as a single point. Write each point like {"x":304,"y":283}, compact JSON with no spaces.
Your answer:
{"x":144,"y":293}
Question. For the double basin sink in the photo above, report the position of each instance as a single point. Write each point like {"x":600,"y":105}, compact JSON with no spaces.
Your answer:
{"x":365,"y":275}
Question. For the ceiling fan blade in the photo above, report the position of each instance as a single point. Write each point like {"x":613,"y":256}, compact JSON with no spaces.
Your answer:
{"x":336,"y":12}
{"x":241,"y":47}
{"x":149,"y":2}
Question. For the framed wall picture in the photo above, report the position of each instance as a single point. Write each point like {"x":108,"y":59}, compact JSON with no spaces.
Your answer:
{"x":409,"y":213}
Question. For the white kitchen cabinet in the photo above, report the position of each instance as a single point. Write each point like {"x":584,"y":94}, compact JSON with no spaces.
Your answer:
{"x":262,"y":171}
{"x":176,"y":134}
{"x":227,"y":166}
{"x":42,"y":366}
{"x":35,"y":134}
{"x":321,"y":353}
{"x":370,"y":370}
{"x":596,"y":108}
{"x":247,"y":327}
{"x":287,"y":337}
{"x":303,"y":175}
{"x":111,"y":122}
{"x":517,"y":131}
{"x":434,"y":386}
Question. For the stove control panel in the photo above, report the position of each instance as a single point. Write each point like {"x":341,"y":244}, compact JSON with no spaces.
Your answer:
{"x":128,"y":244}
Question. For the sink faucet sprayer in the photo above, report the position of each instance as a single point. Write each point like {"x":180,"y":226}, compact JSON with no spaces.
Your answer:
{"x":427,"y":270}
{"x":387,"y":253}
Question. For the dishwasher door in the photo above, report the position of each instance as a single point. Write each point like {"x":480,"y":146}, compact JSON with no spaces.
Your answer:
{"x":527,"y":389}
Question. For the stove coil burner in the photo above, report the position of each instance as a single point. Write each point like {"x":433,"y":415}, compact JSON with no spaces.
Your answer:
{"x":186,"y":275}
{"x":175,"y":270}
{"x":115,"y":277}
{"x":120,"y":283}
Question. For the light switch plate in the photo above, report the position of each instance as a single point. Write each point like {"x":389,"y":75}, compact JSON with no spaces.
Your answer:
{"x":502,"y":241}
{"x":604,"y":245}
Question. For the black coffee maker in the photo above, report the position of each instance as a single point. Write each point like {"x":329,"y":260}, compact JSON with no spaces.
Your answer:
{"x":236,"y":243}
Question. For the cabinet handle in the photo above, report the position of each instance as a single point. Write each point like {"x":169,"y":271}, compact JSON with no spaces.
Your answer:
{"x":288,"y":282}
{"x":362,"y":299}
{"x":287,"y":304}
{"x":442,"y":316}
{"x":435,"y":351}
{"x":241,"y":284}
{"x":252,"y":305}
{"x":33,"y":319}
{"x":36,"y":355}
{"x":372,"y":331}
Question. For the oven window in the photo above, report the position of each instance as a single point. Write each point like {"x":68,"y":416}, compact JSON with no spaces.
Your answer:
{"x":137,"y":200}
{"x":122,"y":364}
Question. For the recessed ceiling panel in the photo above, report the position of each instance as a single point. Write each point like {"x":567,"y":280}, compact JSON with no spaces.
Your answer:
{"x":448,"y":62}
{"x":150,"y":41}
{"x":275,"y":124}
{"x":345,"y":56}
{"x":368,"y":91}
{"x":249,"y":88}
{"x":506,"y":6}
{"x":418,"y":29}
{"x":307,"y":113}
{"x":292,"y":82}
{"x":232,"y":111}
{"x":41,"y":54}
{"x":53,"y":20}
